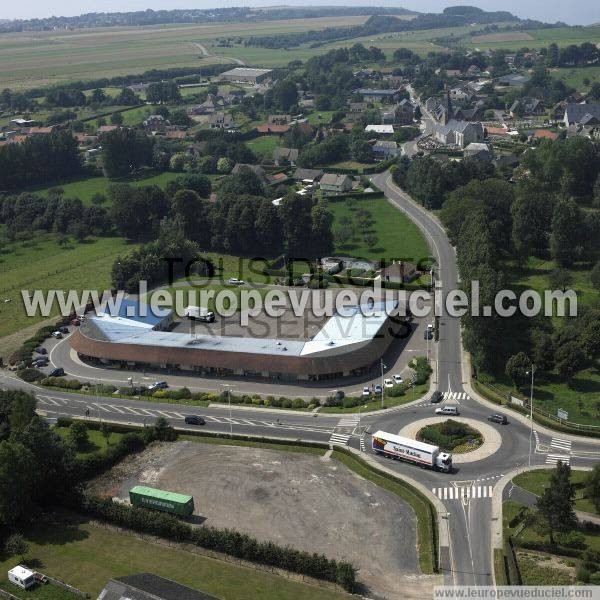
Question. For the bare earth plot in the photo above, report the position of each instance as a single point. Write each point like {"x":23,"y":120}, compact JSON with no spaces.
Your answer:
{"x":301,"y":500}
{"x":507,"y":36}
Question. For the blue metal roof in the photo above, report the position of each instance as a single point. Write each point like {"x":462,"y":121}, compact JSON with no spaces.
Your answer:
{"x":140,"y":312}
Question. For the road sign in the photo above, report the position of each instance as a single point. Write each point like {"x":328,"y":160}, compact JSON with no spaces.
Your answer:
{"x":562,"y":414}
{"x":517,"y":401}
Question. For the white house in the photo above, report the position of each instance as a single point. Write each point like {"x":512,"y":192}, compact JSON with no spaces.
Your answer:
{"x":381,"y":129}
{"x":332,"y":182}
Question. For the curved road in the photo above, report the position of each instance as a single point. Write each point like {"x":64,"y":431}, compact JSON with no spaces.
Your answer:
{"x":465,"y":493}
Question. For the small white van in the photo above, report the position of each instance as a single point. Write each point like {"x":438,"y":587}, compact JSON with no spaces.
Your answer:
{"x":447,"y":410}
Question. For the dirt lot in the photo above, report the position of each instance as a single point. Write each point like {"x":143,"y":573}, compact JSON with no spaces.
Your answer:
{"x":308,"y":502}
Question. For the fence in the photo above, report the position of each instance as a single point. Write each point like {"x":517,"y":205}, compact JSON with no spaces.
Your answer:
{"x":66,"y":586}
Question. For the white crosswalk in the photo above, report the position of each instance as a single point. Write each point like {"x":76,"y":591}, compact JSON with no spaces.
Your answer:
{"x":362,"y":443}
{"x":456,"y":396}
{"x":474,"y":492}
{"x":339,"y":438}
{"x":350,"y":421}
{"x":561,"y":444}
{"x":552,"y":459}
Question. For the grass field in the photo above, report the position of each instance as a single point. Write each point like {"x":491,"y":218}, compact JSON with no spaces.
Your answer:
{"x":40,"y":592}
{"x":397,"y":236}
{"x":263,"y":146}
{"x":96,"y":441}
{"x":30,"y":59}
{"x":87,"y":557}
{"x":536,"y":481}
{"x":87,"y":187}
{"x":42,"y":264}
{"x":574,"y":77}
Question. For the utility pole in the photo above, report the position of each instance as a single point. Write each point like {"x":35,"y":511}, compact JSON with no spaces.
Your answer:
{"x":382,"y":386}
{"x":228,"y":388}
{"x":531,"y":412}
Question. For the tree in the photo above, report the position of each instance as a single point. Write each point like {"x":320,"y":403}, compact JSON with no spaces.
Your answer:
{"x":555,"y":506}
{"x":569,"y":359}
{"x":564,"y":239}
{"x":517,"y":368}
{"x":163,"y":430}
{"x":16,"y":545}
{"x":560,"y":279}
{"x":592,"y":487}
{"x":321,"y":233}
{"x":124,"y":151}
{"x":285,"y":94}
{"x":15,"y":492}
{"x":78,"y":435}
{"x":116,"y":118}
{"x":542,"y":351}
{"x":224,"y":165}
{"x":105,"y":431}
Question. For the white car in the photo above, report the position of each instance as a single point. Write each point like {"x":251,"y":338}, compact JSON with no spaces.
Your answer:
{"x":235,"y":281}
{"x":366,"y":392}
{"x":430,"y":326}
{"x":388,"y":383}
{"x":398,"y":379}
{"x":447,"y":410}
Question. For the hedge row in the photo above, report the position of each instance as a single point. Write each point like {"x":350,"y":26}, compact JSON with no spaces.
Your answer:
{"x":227,"y":541}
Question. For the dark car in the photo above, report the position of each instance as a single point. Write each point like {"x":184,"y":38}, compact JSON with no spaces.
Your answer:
{"x":428,"y":334}
{"x":498,"y":419}
{"x":40,"y":350}
{"x":63,"y":329}
{"x":42,"y":361}
{"x":339,"y":395}
{"x":194,"y":420}
{"x":436,"y":397}
{"x":58,"y":372}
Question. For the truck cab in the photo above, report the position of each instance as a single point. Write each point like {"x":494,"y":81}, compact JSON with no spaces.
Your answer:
{"x":443,"y":462}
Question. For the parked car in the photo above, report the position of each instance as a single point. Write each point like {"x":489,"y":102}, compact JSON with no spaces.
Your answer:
{"x":57,"y":334}
{"x":447,"y":410}
{"x":339,"y":395}
{"x":498,"y":419}
{"x":388,"y":383}
{"x":235,"y":281}
{"x":428,"y":334}
{"x":366,"y":392}
{"x":158,"y":385}
{"x":58,"y":372}
{"x":397,"y":379}
{"x":378,"y":389}
{"x":63,"y":329}
{"x":42,"y":361}
{"x":436,"y":397}
{"x":194,"y":420}
{"x":40,"y":350}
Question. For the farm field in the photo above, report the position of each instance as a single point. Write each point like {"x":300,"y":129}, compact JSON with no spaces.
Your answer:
{"x":87,"y":557}
{"x":41,"y":264}
{"x":31,"y":59}
{"x":264,"y":145}
{"x":397,"y":236}
{"x":575,"y":77}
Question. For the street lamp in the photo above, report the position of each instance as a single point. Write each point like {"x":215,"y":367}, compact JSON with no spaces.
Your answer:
{"x":531,"y":372}
{"x":382,"y":386}
{"x":228,"y":388}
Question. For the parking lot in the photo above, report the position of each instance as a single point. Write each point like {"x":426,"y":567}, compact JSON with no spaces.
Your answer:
{"x":303,"y":500}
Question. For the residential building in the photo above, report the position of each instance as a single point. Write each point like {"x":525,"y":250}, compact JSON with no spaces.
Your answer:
{"x":220,"y":120}
{"x":399,"y":272}
{"x":332,"y":182}
{"x":279,"y":119}
{"x":146,"y":586}
{"x":355,"y":111}
{"x":461,"y":93}
{"x":245,"y":75}
{"x":380,"y":129}
{"x":286,"y":155}
{"x":479,"y":151}
{"x":156,"y":123}
{"x":386,"y":149}
{"x":582,"y":114}
{"x":308,"y":175}
{"x":402,"y":113}
{"x":375,"y":94}
{"x":526,"y":107}
{"x":513,"y":80}
{"x":458,"y":133}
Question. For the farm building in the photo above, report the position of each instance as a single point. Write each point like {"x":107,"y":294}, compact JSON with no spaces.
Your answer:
{"x":245,"y":75}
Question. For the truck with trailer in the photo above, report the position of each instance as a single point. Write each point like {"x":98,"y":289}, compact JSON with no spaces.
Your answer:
{"x":419,"y":453}
{"x":199,"y":313}
{"x":170,"y":502}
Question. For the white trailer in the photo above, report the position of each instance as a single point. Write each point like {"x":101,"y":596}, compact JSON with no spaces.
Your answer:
{"x":425,"y":455}
{"x":22,"y":577}
{"x":199,"y":313}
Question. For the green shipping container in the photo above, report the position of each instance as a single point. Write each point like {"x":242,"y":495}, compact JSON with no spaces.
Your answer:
{"x":146,"y":497}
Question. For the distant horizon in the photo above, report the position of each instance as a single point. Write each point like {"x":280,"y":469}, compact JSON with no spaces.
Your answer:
{"x":578,"y":12}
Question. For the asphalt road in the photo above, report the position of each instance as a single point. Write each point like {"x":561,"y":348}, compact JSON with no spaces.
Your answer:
{"x":465,"y":493}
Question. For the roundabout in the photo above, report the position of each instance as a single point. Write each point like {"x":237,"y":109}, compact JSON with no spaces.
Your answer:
{"x":492,"y":440}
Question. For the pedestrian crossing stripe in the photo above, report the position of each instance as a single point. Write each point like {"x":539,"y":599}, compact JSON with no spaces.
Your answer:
{"x":339,"y":438}
{"x":456,"y":396}
{"x":553,"y":459}
{"x":349,"y":421}
{"x":560,"y":443}
{"x":362,"y":444}
{"x":458,"y":493}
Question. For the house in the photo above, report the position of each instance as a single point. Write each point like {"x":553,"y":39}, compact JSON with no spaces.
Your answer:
{"x":22,"y":123}
{"x":402,"y":113}
{"x":40,"y":130}
{"x":308,"y":175}
{"x":380,"y":129}
{"x":209,"y":106}
{"x":458,"y":133}
{"x":513,"y":80}
{"x":107,"y":129}
{"x":381,"y":95}
{"x":245,"y":75}
{"x":526,"y":107}
{"x":355,"y":111}
{"x":582,"y":114}
{"x":332,"y":182}
{"x":544,"y":134}
{"x":479,"y":151}
{"x":286,"y":155}
{"x":386,"y":149}
{"x":155,"y":123}
{"x":398,"y":272}
{"x":257,"y":169}
{"x":220,"y":120}
{"x":175,"y":134}
{"x":146,"y":586}
{"x":431,"y":104}
{"x":473,"y":71}
{"x":138,"y":88}
{"x":461,"y":93}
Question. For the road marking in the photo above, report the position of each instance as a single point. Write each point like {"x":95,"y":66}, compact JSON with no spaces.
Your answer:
{"x":362,"y":443}
{"x":116,"y":409}
{"x":475,"y":492}
{"x":339,"y":438}
{"x":101,"y":407}
{"x":349,"y":421}
{"x":553,"y":459}
{"x":456,"y":396}
{"x":561,"y":444}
